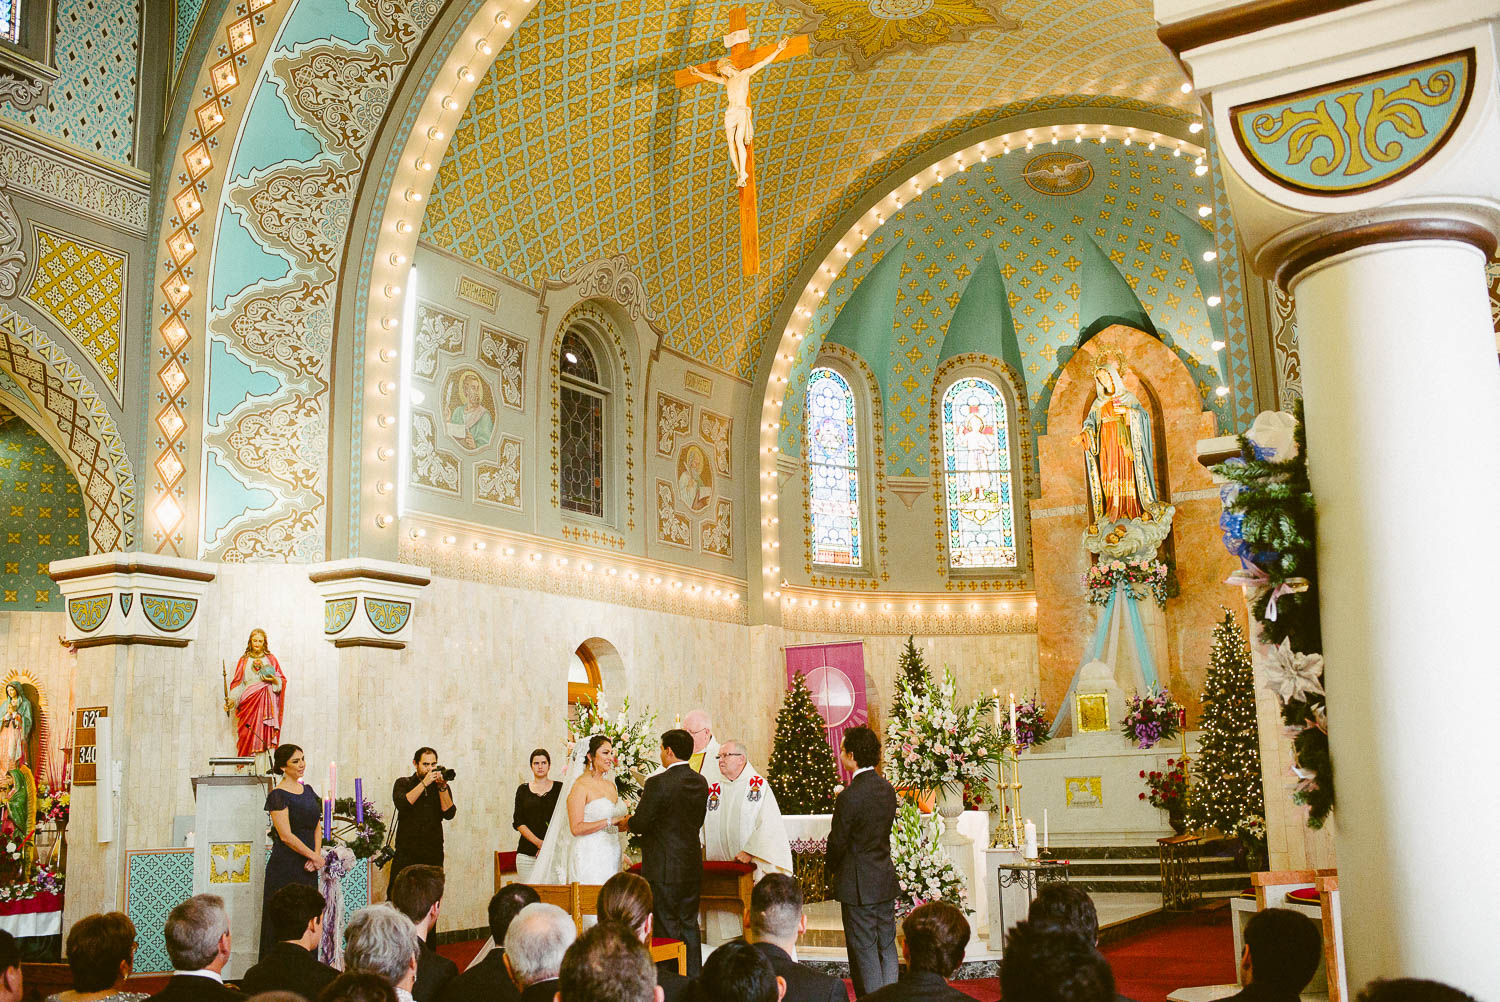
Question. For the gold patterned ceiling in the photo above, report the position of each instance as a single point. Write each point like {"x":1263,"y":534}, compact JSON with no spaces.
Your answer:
{"x":578,"y":146}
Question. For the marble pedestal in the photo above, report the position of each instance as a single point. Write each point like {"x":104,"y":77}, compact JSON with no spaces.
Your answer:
{"x":229,"y":857}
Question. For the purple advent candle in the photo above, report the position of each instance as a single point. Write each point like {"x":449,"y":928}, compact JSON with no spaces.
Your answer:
{"x":328,"y":820}
{"x":359,"y":800}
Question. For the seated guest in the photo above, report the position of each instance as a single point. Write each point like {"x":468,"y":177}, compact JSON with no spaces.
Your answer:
{"x":608,"y":963}
{"x":197,"y":934}
{"x":295,"y":913}
{"x":487,"y":980}
{"x":738,"y":972}
{"x":538,"y":937}
{"x":277,"y":995}
{"x":10,"y":968}
{"x":773,"y":923}
{"x":1282,"y":950}
{"x":1411,"y":990}
{"x":381,"y":940}
{"x":418,"y":894}
{"x":936,"y":934}
{"x":358,"y":986}
{"x":1046,"y":963}
{"x":101,"y":955}
{"x":1069,"y":907}
{"x":627,"y":898}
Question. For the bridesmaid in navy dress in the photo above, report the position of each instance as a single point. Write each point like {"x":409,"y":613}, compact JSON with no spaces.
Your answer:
{"x":296,"y":832}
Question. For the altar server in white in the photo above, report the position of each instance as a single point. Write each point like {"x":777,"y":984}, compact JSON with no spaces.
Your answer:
{"x":743,"y":824}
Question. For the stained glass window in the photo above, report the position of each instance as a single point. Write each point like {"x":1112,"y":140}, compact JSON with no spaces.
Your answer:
{"x":833,"y":470}
{"x":976,"y":454}
{"x":580,"y":427}
{"x":10,"y":20}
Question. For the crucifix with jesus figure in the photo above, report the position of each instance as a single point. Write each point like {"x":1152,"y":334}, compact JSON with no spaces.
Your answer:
{"x":733,"y":73}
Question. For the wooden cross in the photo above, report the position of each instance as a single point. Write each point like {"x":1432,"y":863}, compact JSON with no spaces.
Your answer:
{"x":744,"y":57}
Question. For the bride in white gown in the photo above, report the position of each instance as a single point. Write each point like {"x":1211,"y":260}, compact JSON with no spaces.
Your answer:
{"x":583,"y":841}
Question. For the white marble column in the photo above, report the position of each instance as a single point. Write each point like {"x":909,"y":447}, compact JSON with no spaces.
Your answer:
{"x":1403,"y":413}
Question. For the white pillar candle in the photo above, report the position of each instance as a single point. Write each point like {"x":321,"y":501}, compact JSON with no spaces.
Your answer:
{"x":1045,"y":840}
{"x":1029,"y":851}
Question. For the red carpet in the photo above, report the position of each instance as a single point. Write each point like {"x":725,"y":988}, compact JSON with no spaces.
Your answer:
{"x":1195,"y":949}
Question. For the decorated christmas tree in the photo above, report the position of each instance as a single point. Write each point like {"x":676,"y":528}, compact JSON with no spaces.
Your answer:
{"x":801,"y":772}
{"x":914,"y":672}
{"x":1227,"y":791}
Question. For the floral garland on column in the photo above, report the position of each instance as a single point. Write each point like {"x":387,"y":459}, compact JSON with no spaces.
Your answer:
{"x":1269,"y":523}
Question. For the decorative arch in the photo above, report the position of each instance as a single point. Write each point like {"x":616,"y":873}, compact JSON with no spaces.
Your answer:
{"x":81,"y":428}
{"x":605,"y":669}
{"x":1023,"y":472}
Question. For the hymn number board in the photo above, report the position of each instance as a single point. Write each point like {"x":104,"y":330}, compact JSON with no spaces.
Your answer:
{"x":85,"y":743}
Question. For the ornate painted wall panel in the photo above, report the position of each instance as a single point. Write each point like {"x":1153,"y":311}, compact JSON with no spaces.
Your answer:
{"x":41,"y":517}
{"x":81,"y":286}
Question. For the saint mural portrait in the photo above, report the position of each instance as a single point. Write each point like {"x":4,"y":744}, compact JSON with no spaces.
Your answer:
{"x":695,"y":479}
{"x":470,"y":406}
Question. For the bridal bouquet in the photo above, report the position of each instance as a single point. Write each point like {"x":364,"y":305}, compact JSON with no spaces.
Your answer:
{"x":637,"y":745}
{"x":932,"y":743}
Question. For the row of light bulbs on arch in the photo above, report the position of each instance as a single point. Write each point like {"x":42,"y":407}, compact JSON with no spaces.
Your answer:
{"x":409,"y":215}
{"x":913,"y":608}
{"x":562,"y":565}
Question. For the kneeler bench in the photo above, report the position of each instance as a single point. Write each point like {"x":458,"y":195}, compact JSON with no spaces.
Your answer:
{"x":726,"y":884}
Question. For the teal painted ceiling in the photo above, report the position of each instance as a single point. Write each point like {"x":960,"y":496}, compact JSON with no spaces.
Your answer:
{"x":1021,"y":258}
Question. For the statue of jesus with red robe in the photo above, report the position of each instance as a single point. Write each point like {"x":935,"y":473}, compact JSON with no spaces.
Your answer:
{"x":258,"y":692}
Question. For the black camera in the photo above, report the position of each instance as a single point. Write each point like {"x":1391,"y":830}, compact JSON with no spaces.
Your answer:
{"x":383,"y":856}
{"x":448,"y":774}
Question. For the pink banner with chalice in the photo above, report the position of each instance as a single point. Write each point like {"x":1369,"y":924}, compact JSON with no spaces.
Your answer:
{"x":835,"y":674}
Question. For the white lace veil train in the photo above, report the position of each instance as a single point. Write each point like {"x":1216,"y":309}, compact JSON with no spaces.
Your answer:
{"x":551,"y":866}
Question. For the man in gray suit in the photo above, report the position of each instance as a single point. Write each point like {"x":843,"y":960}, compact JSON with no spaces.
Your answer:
{"x":859,"y":862}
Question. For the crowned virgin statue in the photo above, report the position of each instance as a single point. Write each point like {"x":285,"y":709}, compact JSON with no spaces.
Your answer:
{"x":17,"y":717}
{"x":257,"y":694}
{"x":1128,"y":518}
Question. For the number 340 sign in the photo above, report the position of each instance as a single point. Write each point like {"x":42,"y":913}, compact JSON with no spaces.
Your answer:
{"x":85,"y":743}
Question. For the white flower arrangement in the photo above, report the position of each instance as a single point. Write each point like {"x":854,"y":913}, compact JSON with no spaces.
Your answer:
{"x":922,"y":866}
{"x":636,"y":744}
{"x":936,"y":744}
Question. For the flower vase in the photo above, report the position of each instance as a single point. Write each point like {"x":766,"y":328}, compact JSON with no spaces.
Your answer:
{"x":1178,"y":821}
{"x":958,"y":846}
{"x":950,"y":804}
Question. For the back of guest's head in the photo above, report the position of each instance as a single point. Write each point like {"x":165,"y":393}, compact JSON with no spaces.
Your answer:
{"x":97,"y":946}
{"x":381,"y":940}
{"x":863,"y":745}
{"x":277,"y":996}
{"x":626,"y":898}
{"x":10,"y":952}
{"x":679,"y":742}
{"x":1411,"y":990}
{"x":1067,"y":906}
{"x":936,"y":934}
{"x":1046,"y":963}
{"x":504,"y":906}
{"x":538,"y":937}
{"x":776,"y":907}
{"x":417,"y":889}
{"x":193,"y":931}
{"x":607,"y":964}
{"x":292,"y":908}
{"x":1285,"y":947}
{"x":736,"y":972}
{"x":358,"y":986}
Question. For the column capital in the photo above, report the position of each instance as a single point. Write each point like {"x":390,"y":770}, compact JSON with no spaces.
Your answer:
{"x":131,"y":598}
{"x":1341,"y":124}
{"x":368,"y":603}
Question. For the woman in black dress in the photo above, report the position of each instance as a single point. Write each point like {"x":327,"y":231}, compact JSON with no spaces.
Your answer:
{"x":296,"y":832}
{"x":535,"y":802}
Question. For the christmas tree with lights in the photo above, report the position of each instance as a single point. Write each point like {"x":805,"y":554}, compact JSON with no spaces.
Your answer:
{"x":914,"y":671}
{"x":801,"y":772}
{"x":1227,"y":792}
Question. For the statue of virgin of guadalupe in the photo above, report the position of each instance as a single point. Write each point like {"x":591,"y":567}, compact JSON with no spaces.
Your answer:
{"x":1118,"y":454}
{"x":16,"y":720}
{"x":258,"y":692}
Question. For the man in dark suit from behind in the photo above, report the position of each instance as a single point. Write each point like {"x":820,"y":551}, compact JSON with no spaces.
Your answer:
{"x":291,"y":964}
{"x":1047,"y":963}
{"x":488,"y":980}
{"x":668,"y":817}
{"x":1282,"y":950}
{"x":197,"y":935}
{"x":1070,"y":907}
{"x":936,"y":934}
{"x":859,"y":864}
{"x":418,"y":894}
{"x":535,"y":943}
{"x":772,"y":925}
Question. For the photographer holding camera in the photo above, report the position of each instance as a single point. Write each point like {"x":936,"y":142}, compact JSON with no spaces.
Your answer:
{"x":423,"y":803}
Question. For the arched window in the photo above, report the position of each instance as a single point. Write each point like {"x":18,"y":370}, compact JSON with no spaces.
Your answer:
{"x":582,"y":400}
{"x":976,"y":468}
{"x":833,"y":470}
{"x":584,"y":678}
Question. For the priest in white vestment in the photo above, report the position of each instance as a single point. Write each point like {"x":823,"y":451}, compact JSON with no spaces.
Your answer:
{"x":743,"y":824}
{"x":705,"y":758}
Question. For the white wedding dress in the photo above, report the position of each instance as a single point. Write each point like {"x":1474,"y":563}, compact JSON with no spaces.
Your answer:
{"x":593,"y":859}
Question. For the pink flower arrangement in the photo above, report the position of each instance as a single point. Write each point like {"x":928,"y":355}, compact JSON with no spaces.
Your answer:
{"x":1136,"y":576}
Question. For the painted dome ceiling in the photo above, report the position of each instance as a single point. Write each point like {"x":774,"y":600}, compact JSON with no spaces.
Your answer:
{"x":578,"y":146}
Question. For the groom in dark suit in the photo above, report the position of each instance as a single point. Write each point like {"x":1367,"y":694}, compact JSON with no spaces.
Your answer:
{"x":859,"y":863}
{"x":668,"y":818}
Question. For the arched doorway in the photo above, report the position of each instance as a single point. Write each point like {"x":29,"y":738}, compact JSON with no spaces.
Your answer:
{"x":584,"y":680}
